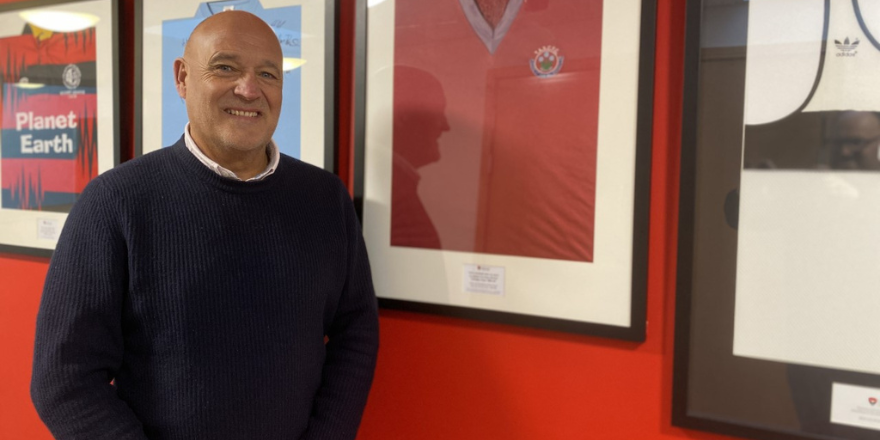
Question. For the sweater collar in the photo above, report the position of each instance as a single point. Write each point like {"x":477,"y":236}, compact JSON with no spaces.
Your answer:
{"x":271,"y":151}
{"x":195,"y":168}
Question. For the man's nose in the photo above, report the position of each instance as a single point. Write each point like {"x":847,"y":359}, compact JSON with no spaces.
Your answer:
{"x":445,"y":124}
{"x":247,"y":87}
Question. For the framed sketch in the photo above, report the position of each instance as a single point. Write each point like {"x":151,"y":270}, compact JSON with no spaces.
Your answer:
{"x":306,"y":31}
{"x":777,"y":301}
{"x":506,"y":164}
{"x":59,"y":112}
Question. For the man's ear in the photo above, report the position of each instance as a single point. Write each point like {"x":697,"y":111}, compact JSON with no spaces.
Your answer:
{"x":180,"y":77}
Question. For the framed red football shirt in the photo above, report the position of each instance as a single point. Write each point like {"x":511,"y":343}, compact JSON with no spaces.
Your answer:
{"x":495,"y":129}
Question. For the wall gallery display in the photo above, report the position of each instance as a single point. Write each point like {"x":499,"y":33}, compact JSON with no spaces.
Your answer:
{"x":777,"y":301}
{"x":59,"y":114}
{"x":306,"y":32}
{"x":505,"y":169}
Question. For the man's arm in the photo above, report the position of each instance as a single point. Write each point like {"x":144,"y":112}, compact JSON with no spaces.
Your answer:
{"x":353,"y":343}
{"x":79,"y":344}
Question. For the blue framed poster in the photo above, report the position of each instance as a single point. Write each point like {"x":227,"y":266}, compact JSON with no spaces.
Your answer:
{"x":305,"y":32}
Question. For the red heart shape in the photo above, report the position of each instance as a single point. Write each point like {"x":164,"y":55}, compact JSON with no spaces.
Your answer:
{"x":872,"y":400}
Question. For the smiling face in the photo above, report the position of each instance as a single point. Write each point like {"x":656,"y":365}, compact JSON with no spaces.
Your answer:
{"x":231,"y":77}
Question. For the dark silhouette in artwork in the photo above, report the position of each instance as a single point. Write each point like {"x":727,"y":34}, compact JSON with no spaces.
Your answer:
{"x":419,"y":121}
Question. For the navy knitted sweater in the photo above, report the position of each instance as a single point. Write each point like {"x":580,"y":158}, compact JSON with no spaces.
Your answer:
{"x":219,"y":309}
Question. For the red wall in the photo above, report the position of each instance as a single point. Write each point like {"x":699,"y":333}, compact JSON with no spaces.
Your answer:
{"x":21,"y":280}
{"x":441,"y":378}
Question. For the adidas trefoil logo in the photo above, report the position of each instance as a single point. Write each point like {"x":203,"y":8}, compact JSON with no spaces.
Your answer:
{"x":847,"y":49}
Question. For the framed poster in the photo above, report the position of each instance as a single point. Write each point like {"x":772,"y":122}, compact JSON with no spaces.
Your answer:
{"x":59,"y":111}
{"x":777,"y":305}
{"x":306,"y":32}
{"x":505,"y":170}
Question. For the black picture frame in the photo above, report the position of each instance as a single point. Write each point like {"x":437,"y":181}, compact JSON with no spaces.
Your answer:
{"x":18,"y":228}
{"x":744,"y":395}
{"x":634,"y":291}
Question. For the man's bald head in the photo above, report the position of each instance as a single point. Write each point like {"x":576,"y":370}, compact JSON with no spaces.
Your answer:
{"x":230,"y":21}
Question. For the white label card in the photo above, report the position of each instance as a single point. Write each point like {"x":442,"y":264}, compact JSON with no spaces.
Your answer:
{"x":48,"y":229}
{"x":855,"y":406}
{"x":478,"y":278}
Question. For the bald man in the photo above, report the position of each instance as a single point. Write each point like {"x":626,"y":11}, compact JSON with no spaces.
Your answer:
{"x":215,"y":289}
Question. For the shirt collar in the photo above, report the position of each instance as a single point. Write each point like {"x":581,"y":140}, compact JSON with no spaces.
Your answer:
{"x":271,"y":152}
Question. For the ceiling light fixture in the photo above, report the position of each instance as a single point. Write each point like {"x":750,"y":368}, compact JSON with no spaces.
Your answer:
{"x":59,"y":21}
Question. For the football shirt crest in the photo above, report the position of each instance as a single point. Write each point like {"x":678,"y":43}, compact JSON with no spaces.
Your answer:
{"x":547,"y":61}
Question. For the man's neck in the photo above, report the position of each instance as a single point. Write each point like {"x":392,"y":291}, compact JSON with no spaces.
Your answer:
{"x":245,"y":164}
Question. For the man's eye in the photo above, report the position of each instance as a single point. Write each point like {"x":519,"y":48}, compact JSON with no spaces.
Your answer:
{"x":224,"y":68}
{"x":268,"y":75}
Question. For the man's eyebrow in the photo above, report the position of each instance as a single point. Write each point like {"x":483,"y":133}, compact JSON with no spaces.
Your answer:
{"x":221,"y":57}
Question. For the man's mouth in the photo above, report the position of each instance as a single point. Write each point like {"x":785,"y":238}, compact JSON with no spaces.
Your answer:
{"x":243,"y":113}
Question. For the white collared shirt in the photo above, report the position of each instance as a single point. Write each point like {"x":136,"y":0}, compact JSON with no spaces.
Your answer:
{"x":271,"y":152}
